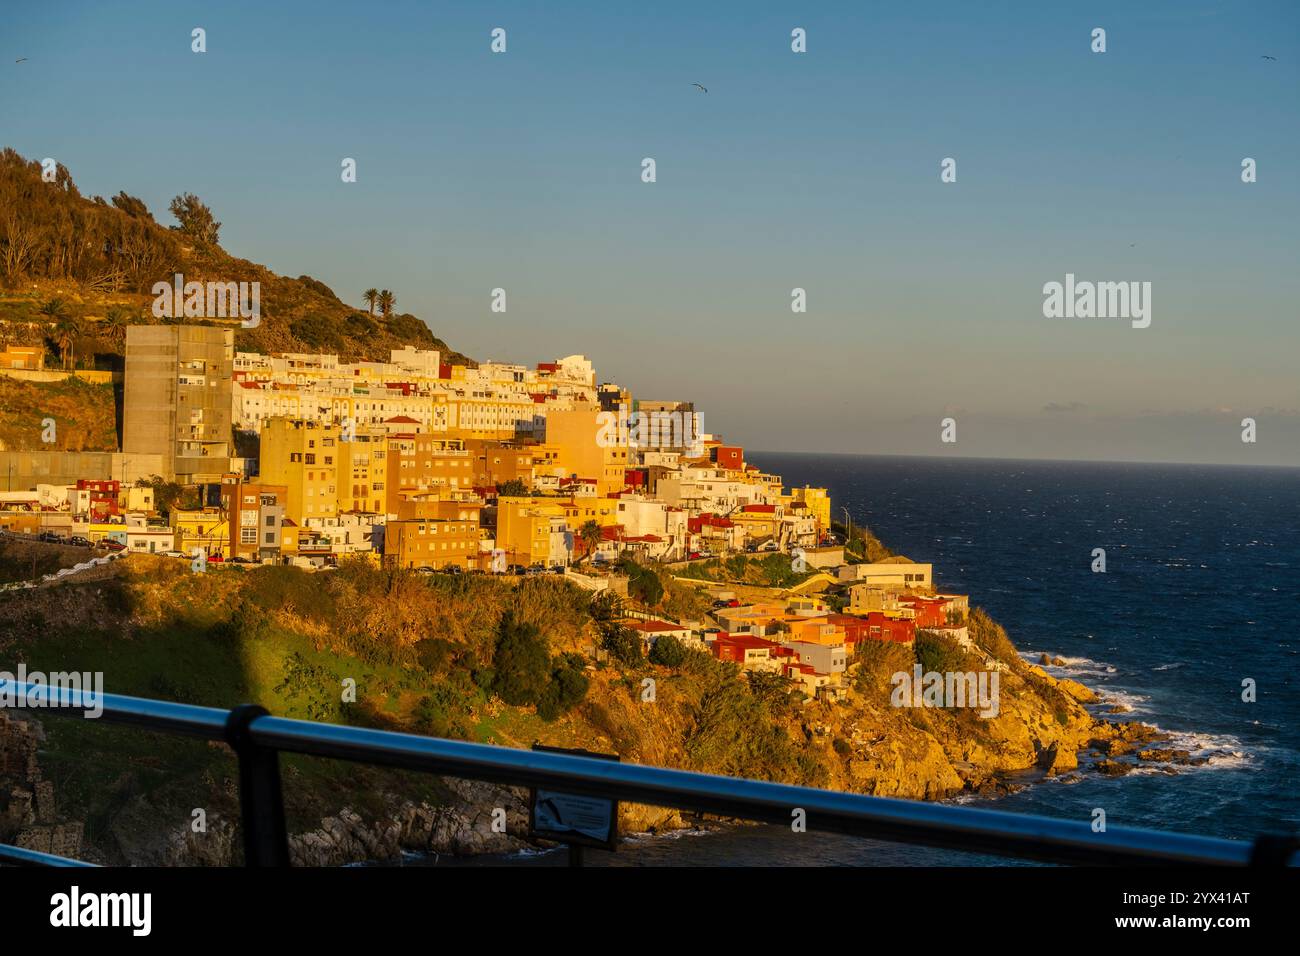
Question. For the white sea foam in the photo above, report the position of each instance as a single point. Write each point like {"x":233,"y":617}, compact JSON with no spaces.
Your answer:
{"x":1131,"y":701}
{"x":1073,"y":666}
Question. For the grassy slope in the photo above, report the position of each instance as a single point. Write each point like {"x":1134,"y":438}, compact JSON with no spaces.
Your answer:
{"x":84,"y":414}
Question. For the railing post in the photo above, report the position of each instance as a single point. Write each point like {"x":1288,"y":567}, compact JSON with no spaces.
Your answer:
{"x":1274,"y":849}
{"x":261,"y":801}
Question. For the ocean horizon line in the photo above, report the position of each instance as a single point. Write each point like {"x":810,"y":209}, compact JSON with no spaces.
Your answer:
{"x":1037,"y":461}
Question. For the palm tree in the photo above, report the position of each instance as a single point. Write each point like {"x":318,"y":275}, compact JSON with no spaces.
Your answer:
{"x":54,"y":309}
{"x":590,"y":535}
{"x":386,"y":302}
{"x":115,"y":323}
{"x":66,"y":328}
{"x":370,"y":297}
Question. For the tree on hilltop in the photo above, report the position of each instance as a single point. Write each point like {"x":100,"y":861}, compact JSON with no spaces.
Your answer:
{"x":196,"y":219}
{"x":132,"y":206}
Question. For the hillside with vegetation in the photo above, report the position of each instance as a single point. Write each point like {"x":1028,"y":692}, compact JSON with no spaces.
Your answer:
{"x":84,"y":414}
{"x":75,"y":271}
{"x":499,"y":660}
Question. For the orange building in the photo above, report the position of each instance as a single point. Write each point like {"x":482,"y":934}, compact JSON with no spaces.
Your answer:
{"x":433,"y":533}
{"x":496,"y":463}
{"x":422,"y":465}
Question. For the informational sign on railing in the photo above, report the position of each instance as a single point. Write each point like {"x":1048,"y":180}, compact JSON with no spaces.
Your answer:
{"x":571,"y":817}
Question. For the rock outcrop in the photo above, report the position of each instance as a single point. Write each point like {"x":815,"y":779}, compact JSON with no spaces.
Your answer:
{"x":29,"y":817}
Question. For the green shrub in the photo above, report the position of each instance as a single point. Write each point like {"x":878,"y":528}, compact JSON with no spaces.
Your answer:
{"x":567,"y":688}
{"x":524,"y":672}
{"x":991,"y":637}
{"x":622,"y":642}
{"x":734,"y":733}
{"x":643,"y":584}
{"x":521,"y":662}
{"x":940,"y":653}
{"x":878,"y":662}
{"x":667,"y":652}
{"x":444,"y":710}
{"x":312,"y":689}
{"x":435,"y":654}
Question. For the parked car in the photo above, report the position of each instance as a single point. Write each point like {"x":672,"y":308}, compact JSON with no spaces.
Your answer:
{"x":113,"y":545}
{"x":425,"y":569}
{"x":558,"y":569}
{"x":454,"y":569}
{"x":515,"y":569}
{"x":79,"y":541}
{"x":174,"y":554}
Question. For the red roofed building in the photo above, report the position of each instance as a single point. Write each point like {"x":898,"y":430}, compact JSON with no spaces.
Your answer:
{"x":929,"y":611}
{"x":882,"y":628}
{"x":102,"y":496}
{"x":697,"y":524}
{"x":854,"y":628}
{"x":729,"y":456}
{"x":751,"y":653}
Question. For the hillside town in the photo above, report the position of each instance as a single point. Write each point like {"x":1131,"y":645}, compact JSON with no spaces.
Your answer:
{"x":236,"y":458}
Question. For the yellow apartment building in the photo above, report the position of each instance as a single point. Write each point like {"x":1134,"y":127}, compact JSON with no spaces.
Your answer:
{"x":757,"y":525}
{"x":204,"y":528}
{"x":363,"y":471}
{"x":817,"y":501}
{"x":304,"y":457}
{"x":578,"y":511}
{"x":525,"y":526}
{"x":587,"y":447}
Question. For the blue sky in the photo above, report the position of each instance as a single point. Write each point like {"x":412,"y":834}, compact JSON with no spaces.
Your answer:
{"x":817,"y":170}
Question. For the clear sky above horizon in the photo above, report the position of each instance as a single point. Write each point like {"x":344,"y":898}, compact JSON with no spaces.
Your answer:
{"x":819,"y":170}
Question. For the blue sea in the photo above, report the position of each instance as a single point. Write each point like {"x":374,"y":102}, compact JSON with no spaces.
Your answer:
{"x":1201,"y":591}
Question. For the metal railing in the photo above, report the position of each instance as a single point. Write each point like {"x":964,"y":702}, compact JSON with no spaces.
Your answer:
{"x":258,"y":739}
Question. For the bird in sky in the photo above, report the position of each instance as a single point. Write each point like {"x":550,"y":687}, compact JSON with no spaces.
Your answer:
{"x":1265,"y":56}
{"x":700,"y":88}
{"x":20,"y":59}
